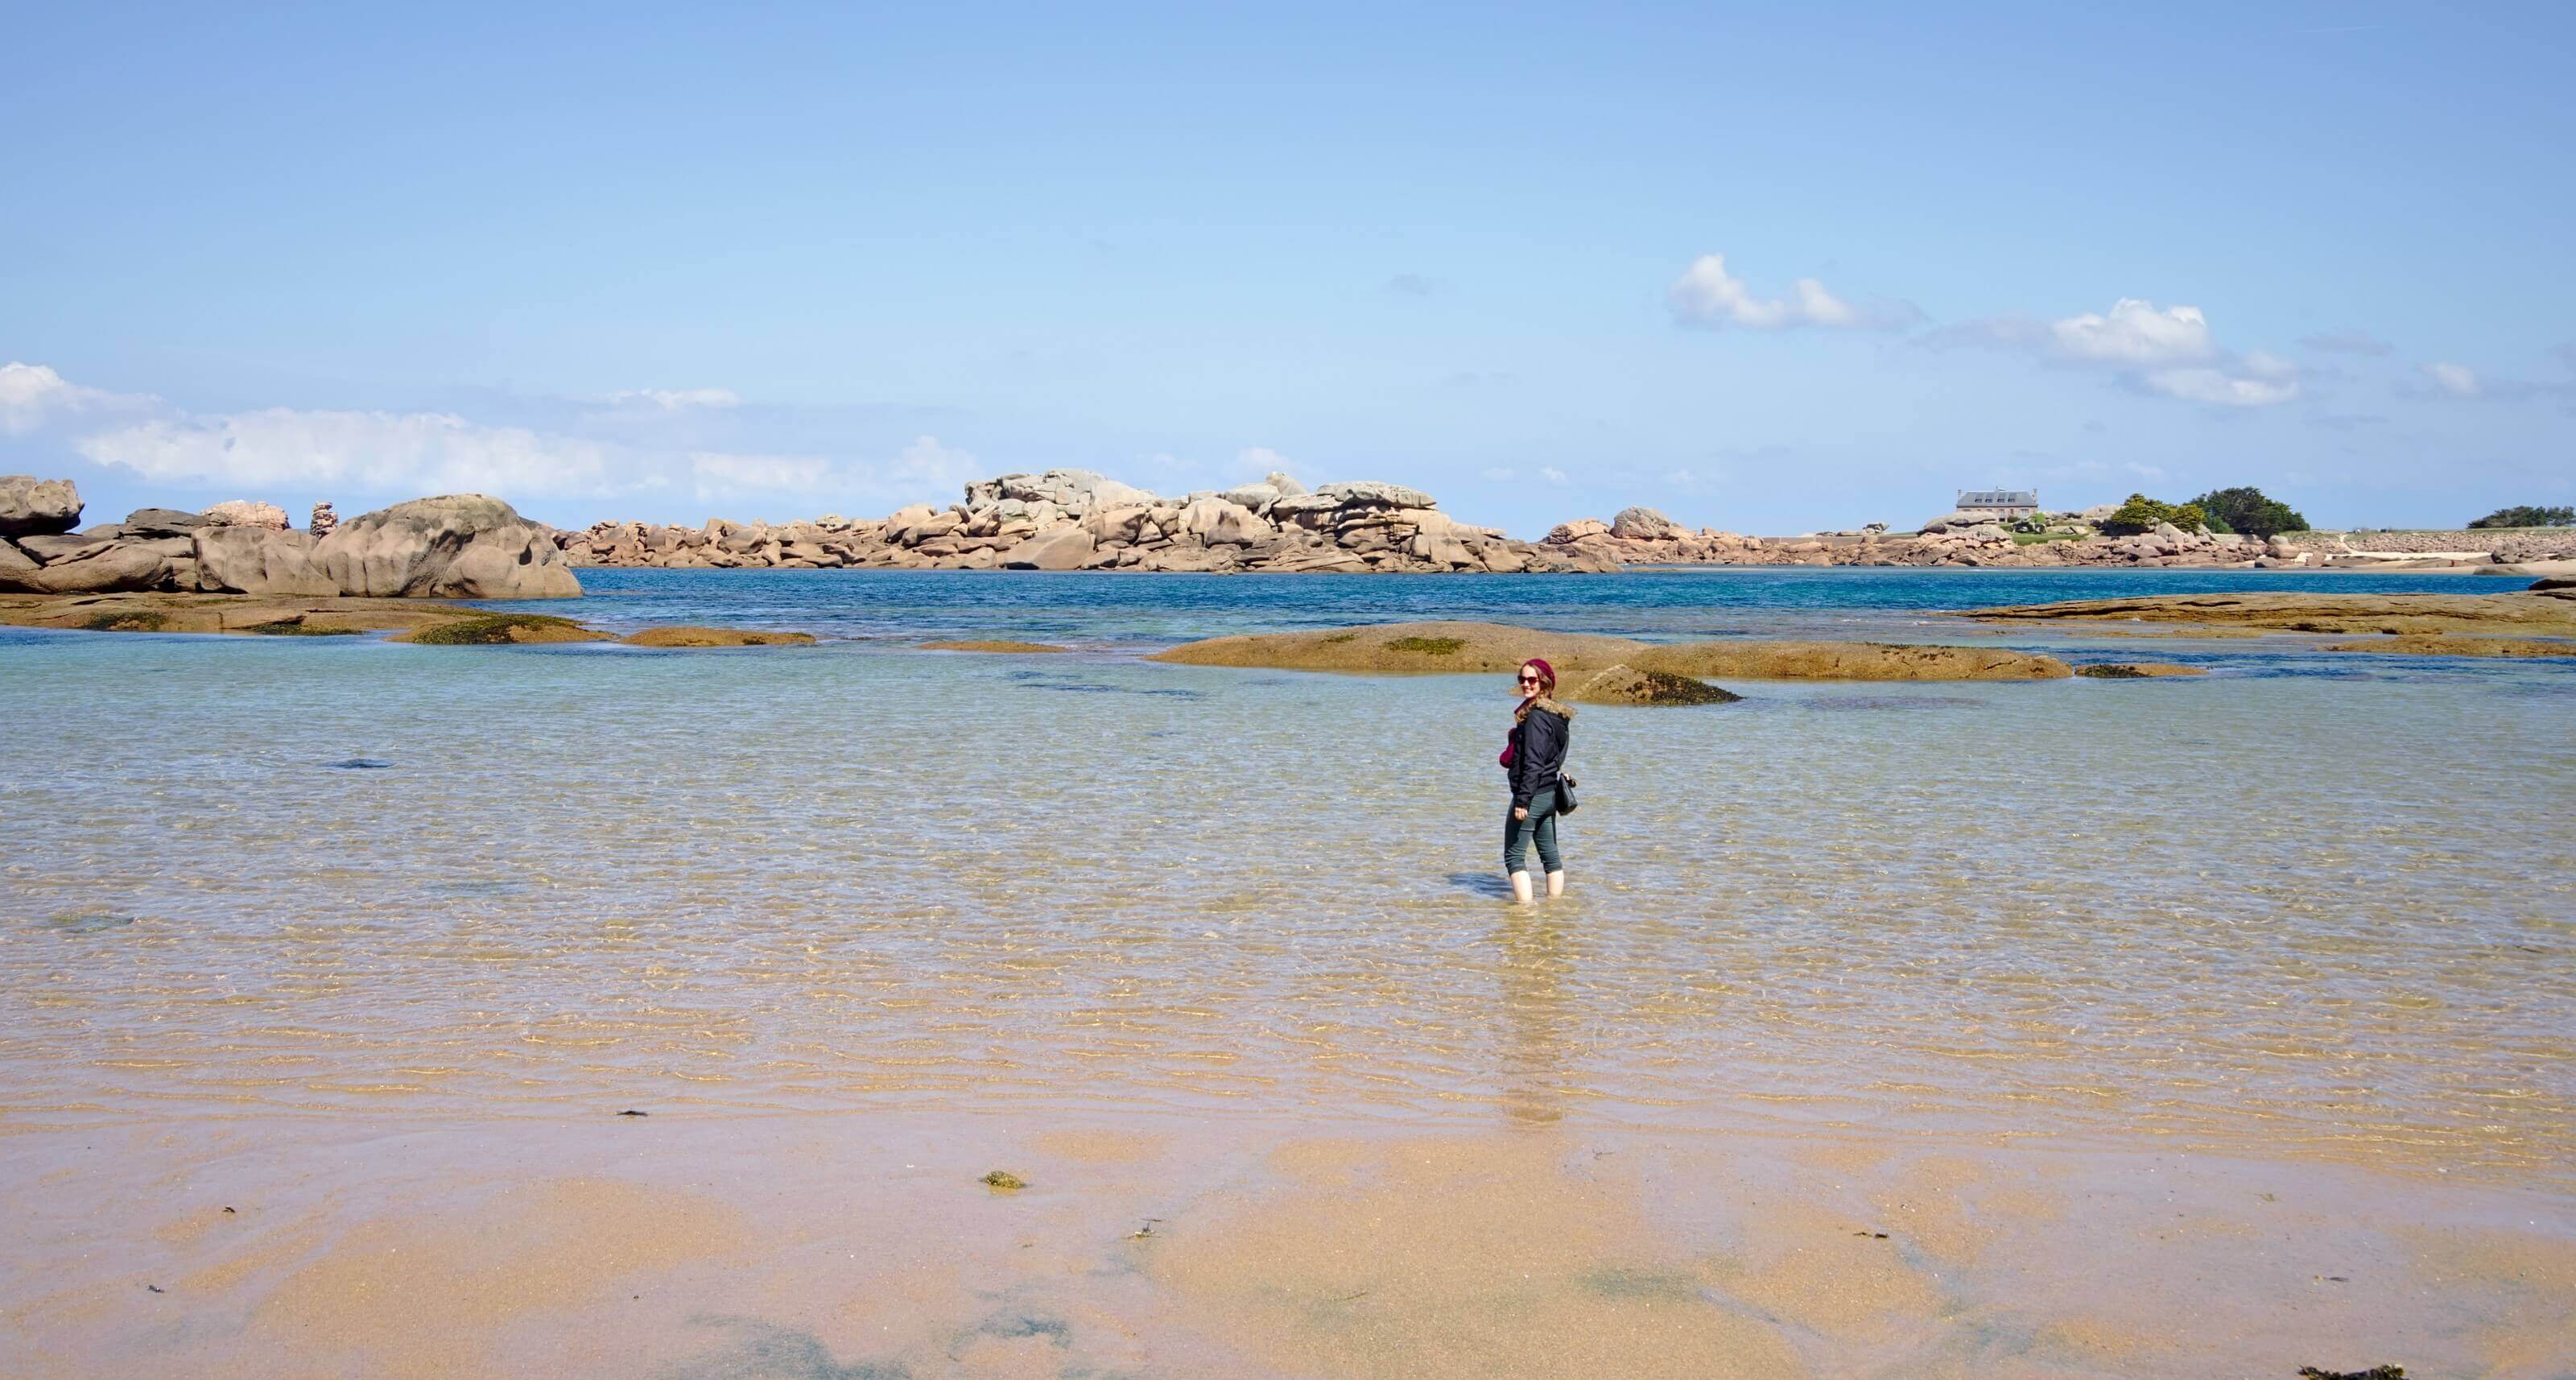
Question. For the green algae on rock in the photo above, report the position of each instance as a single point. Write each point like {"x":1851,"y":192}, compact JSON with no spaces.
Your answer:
{"x":1495,"y":647}
{"x":501,"y":629}
{"x":1628,"y":685}
{"x":686,"y":635}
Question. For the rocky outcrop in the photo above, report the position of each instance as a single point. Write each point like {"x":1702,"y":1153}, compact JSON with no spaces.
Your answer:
{"x":1497,"y":649}
{"x":464,"y":546}
{"x":325,"y":519}
{"x":245,"y":512}
{"x":1078,"y":520}
{"x":459,"y":546}
{"x":2441,"y":644}
{"x":1645,"y":524}
{"x":30,"y":506}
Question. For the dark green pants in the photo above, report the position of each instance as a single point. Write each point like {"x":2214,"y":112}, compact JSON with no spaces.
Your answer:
{"x":1541,"y":825}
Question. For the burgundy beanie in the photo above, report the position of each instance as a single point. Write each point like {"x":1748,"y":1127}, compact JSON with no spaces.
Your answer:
{"x":1546,"y":673}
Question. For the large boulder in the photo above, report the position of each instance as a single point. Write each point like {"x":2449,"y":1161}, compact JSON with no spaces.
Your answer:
{"x":15,"y":567}
{"x":29,"y":505}
{"x":247,"y":512}
{"x":161,"y":522}
{"x":107,"y":569}
{"x":1217,"y":522}
{"x":1285,"y":483}
{"x":458,"y":546}
{"x":1958,"y":520}
{"x":53,"y":548}
{"x":257,"y":560}
{"x":1252,"y":496}
{"x":1645,"y":524}
{"x":1073,"y":492}
{"x":1063,"y":547}
{"x":1568,"y":533}
{"x":1371,"y":493}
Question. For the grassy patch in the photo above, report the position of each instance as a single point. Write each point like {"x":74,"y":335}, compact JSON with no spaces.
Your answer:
{"x":495,"y":629}
{"x":1340,"y":638}
{"x":297,"y":627}
{"x":1428,"y":646}
{"x":130,"y":621}
{"x":2040,"y":538}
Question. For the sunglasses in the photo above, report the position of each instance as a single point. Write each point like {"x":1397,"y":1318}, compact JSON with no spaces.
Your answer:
{"x":1529,"y":680}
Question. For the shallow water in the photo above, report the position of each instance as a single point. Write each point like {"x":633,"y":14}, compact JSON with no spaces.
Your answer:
{"x":2314,"y":905}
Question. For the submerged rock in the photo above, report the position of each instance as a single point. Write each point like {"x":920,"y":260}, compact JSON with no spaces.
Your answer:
{"x":2137,"y":670}
{"x":687,"y":636}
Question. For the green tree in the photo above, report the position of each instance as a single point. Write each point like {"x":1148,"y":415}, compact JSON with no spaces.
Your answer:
{"x":2527,"y":516}
{"x":2246,"y":510}
{"x":2141,"y":514}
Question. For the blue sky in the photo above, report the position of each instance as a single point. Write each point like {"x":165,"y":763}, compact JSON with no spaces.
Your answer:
{"x":1768,"y":272}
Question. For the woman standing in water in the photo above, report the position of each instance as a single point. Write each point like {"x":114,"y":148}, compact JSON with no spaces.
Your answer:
{"x":1534,"y":757}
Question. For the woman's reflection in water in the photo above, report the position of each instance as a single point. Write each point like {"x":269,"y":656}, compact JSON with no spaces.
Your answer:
{"x":1537,"y":1019}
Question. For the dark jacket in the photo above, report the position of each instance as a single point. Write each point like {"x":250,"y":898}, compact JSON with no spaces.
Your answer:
{"x":1538,"y":750}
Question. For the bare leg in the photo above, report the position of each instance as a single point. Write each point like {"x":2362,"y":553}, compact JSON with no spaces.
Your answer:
{"x":1556,"y":883}
{"x":1521,"y":887}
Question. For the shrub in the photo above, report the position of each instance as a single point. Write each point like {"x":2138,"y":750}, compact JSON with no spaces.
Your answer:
{"x":2246,"y":510}
{"x":2528,"y":516}
{"x":2141,"y":514}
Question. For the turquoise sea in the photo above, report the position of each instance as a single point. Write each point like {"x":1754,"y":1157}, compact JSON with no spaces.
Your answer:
{"x":1123,"y":611}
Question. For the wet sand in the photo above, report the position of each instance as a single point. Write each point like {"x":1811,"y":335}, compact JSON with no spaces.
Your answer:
{"x":729,"y":1248}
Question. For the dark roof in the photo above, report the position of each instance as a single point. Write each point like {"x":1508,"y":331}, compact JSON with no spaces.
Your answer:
{"x":2028,"y":496}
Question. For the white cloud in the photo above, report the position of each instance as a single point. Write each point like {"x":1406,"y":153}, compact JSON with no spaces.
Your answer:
{"x":2458,"y":380}
{"x":675,"y":399}
{"x":2164,"y":350}
{"x":418,"y":452}
{"x":717,"y":473}
{"x":31,"y":395}
{"x":1551,"y":474}
{"x":1707,"y":295}
{"x":2133,"y":332}
{"x":2218,"y":387}
{"x":926,"y":469}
